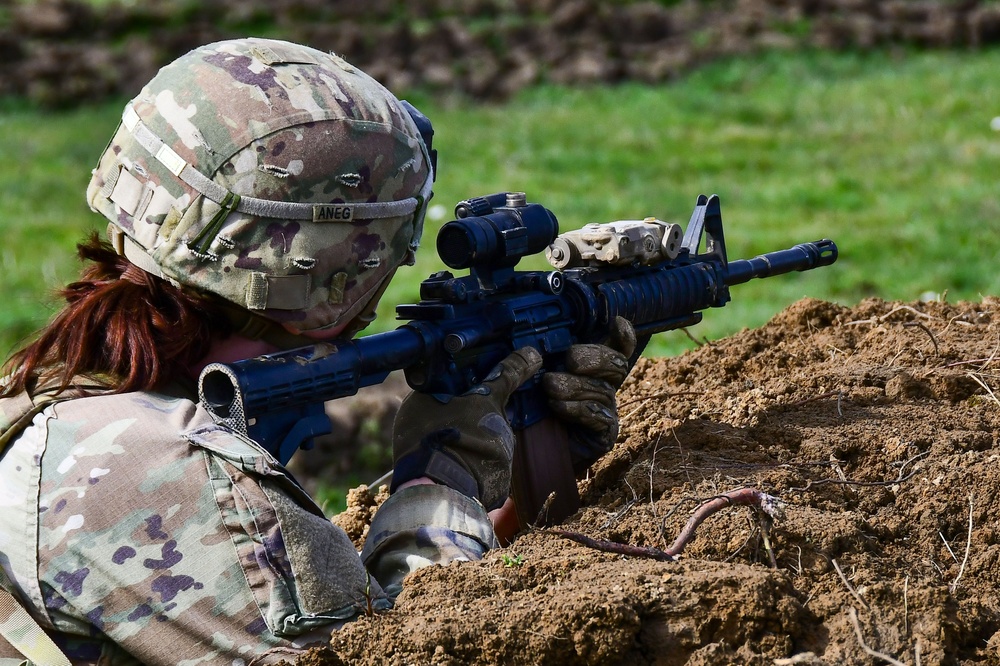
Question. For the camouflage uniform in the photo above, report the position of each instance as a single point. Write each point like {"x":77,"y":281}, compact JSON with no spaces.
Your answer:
{"x":165,"y":539}
{"x":291,"y":185}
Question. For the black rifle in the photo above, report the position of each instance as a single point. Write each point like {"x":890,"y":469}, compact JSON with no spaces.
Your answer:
{"x":463,"y":326}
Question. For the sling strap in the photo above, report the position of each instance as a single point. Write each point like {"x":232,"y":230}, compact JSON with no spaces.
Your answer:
{"x":22,"y":631}
{"x":22,"y":411}
{"x":17,"y":625}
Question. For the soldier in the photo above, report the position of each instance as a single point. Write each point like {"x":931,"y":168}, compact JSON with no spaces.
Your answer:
{"x":260,"y":196}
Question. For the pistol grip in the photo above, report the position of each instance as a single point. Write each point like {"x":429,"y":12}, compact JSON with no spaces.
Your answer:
{"x":542,"y":465}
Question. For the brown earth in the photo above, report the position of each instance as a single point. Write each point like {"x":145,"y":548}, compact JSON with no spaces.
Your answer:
{"x":876,"y":426}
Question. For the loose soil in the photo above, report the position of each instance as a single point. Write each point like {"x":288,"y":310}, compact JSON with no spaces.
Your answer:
{"x":876,"y":426}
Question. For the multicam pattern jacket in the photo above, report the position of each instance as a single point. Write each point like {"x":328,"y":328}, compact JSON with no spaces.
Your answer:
{"x":139,"y":532}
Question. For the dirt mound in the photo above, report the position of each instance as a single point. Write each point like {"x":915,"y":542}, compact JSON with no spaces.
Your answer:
{"x":876,"y":428}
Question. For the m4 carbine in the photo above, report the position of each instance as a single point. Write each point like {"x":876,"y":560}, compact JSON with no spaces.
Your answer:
{"x":644,"y":271}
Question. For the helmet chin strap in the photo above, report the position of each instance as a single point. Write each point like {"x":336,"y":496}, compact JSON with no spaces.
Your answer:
{"x":367,"y":314}
{"x":255,"y":327}
{"x":358,"y":317}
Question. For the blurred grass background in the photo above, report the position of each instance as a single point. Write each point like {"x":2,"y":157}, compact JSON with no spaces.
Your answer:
{"x":890,"y":153}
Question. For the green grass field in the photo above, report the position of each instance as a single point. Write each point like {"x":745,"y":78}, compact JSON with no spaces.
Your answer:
{"x":892,"y":155}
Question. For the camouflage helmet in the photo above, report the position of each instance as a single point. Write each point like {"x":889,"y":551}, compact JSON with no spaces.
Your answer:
{"x":273,"y":175}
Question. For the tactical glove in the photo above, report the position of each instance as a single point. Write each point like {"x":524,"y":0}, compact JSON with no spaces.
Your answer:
{"x":583,"y":397}
{"x":463,"y":442}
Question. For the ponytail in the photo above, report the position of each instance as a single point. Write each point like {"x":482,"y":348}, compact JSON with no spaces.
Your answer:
{"x":121,"y":326}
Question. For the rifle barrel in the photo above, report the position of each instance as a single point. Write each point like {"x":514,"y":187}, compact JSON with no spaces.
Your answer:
{"x":802,"y":257}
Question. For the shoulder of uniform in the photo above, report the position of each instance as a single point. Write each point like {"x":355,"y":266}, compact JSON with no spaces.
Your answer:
{"x":232,"y":446}
{"x":13,"y":408}
{"x":166,"y":418}
{"x":156,"y":411}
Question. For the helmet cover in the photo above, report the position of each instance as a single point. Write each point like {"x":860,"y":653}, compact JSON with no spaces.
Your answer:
{"x":273,"y":175}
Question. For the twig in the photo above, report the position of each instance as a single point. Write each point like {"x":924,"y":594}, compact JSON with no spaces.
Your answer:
{"x":731,"y":556}
{"x":971,"y":361}
{"x":544,"y":511}
{"x":905,"y":463}
{"x":893,"y":359}
{"x":879,"y":320}
{"x":635,"y":495}
{"x":652,"y":468}
{"x":798,"y":571}
{"x":765,"y":521}
{"x":950,"y":551}
{"x":369,"y":608}
{"x":906,"y":610}
{"x":835,"y":351}
{"x":850,"y":482}
{"x":606,"y":546}
{"x":828,"y":394}
{"x":700,"y":343}
{"x":718,"y":463}
{"x":617,"y":515}
{"x":847,"y":583}
{"x":835,"y":465}
{"x":683,"y":455}
{"x":801,"y":658}
{"x":984,"y":361}
{"x":853,"y":614}
{"x":769,"y":504}
{"x":935,"y":565}
{"x":910,"y":324}
{"x":676,"y":507}
{"x":968,"y":546}
{"x":863,"y":484}
{"x":985,"y":386}
{"x":993,"y":355}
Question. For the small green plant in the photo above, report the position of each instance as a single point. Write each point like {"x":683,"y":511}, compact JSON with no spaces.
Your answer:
{"x":512,"y":560}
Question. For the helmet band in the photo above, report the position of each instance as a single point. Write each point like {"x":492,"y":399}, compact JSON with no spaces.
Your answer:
{"x":135,"y":253}
{"x":328,"y":212}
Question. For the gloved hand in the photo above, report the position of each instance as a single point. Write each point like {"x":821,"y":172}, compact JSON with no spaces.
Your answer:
{"x":463,"y":442}
{"x":583,"y":397}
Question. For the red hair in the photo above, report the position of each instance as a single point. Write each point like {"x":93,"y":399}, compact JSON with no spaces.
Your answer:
{"x":121,"y":326}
